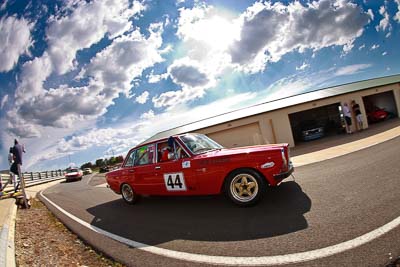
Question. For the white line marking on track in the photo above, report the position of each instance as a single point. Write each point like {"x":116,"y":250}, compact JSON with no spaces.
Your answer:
{"x":242,"y":261}
{"x":90,"y":178}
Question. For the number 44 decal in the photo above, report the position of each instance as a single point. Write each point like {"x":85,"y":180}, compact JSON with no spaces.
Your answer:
{"x":175,"y":181}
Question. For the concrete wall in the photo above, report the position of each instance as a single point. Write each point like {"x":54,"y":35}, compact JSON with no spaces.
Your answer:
{"x":274,"y":126}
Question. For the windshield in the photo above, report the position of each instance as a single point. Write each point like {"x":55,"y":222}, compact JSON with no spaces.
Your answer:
{"x":199,"y":143}
{"x":72,"y":170}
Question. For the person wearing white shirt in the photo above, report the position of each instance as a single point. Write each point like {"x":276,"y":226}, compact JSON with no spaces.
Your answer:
{"x":347,"y":117}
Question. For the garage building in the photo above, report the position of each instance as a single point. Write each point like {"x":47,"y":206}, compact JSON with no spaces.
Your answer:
{"x":281,"y":121}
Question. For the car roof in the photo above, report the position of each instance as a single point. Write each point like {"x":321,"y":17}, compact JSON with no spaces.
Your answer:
{"x":162,"y":139}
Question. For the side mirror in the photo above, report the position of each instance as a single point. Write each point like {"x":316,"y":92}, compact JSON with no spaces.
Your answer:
{"x":171,"y":155}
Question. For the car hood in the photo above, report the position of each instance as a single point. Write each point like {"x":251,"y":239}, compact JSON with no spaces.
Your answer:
{"x":241,"y":150}
{"x":72,"y":173}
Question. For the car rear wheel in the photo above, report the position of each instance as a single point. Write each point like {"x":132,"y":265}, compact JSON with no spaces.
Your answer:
{"x":128,"y":194}
{"x":245,"y":187}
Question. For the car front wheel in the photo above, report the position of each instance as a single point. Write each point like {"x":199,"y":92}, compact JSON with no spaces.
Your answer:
{"x":245,"y":187}
{"x":128,"y":194}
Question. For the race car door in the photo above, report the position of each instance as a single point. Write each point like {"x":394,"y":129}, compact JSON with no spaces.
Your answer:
{"x":176,"y":173}
{"x":139,"y":171}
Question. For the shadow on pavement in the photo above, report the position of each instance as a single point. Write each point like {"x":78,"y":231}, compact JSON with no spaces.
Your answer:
{"x":156,"y":220}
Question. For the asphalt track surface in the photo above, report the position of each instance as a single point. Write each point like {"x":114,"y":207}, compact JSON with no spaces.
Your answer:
{"x":331,"y":202}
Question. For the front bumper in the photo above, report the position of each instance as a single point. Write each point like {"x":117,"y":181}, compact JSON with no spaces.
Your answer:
{"x":283,"y":175}
{"x":73,"y":177}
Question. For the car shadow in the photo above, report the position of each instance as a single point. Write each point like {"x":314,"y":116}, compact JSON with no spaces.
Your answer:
{"x":156,"y":220}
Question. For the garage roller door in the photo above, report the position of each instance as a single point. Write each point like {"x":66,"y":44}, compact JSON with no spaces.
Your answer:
{"x":246,"y":135}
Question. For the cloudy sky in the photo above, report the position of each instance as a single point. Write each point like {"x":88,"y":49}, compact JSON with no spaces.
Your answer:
{"x":81,"y":80}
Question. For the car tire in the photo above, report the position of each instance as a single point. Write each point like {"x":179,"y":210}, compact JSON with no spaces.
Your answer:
{"x":128,"y":194}
{"x":245,"y":187}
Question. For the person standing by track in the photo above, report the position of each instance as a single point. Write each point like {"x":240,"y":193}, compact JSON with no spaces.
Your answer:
{"x":18,"y":150}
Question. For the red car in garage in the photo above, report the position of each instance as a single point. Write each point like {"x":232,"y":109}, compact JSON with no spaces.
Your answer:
{"x":377,"y":114}
{"x":193,"y":164}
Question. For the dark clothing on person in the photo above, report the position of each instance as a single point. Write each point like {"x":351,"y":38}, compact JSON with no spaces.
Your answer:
{"x":17,"y":151}
{"x":348,"y":120}
{"x":356,"y":109}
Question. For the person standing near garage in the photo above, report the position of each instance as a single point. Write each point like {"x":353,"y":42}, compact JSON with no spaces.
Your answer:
{"x":347,"y":117}
{"x":357,"y":113}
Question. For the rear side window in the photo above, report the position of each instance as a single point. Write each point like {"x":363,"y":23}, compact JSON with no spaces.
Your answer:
{"x":141,"y":156}
{"x":144,"y":155}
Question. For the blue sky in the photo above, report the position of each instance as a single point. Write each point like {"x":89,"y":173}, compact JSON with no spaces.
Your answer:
{"x":81,"y":80}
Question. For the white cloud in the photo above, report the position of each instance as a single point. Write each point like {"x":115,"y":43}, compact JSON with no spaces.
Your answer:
{"x":269,"y":31}
{"x":189,"y":73}
{"x":375,"y":46}
{"x":397,"y":16}
{"x":303,"y":66}
{"x":148,"y":115}
{"x":155,"y":78}
{"x":126,"y":58}
{"x":361,"y":47}
{"x":383,"y":23}
{"x":33,"y":74}
{"x":15,"y":39}
{"x":206,"y":34}
{"x":4,"y":5}
{"x":193,"y":79}
{"x":351,"y":69}
{"x":88,"y":23}
{"x":110,"y":72}
{"x":371,"y":14}
{"x":119,"y":138}
{"x":20,"y":127}
{"x":3,"y":101}
{"x":173,"y":98}
{"x":382,"y":10}
{"x":264,"y":33}
{"x":384,"y":53}
{"x":142,"y":99}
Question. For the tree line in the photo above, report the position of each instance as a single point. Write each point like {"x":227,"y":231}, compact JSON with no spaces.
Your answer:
{"x":103,"y":162}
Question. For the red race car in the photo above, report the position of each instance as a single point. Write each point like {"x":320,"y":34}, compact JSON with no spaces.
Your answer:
{"x":193,"y":164}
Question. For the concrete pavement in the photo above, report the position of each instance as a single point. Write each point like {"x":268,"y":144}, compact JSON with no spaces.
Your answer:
{"x":8,"y":214}
{"x":321,"y":152}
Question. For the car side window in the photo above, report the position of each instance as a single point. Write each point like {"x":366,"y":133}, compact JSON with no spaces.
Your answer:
{"x":180,"y":152}
{"x":163,"y":149}
{"x":131,"y":159}
{"x":144,"y":155}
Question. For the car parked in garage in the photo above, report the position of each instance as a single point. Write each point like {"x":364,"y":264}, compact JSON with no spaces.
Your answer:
{"x":377,"y":114}
{"x":193,"y":164}
{"x":73,"y":174}
{"x":311,"y":130}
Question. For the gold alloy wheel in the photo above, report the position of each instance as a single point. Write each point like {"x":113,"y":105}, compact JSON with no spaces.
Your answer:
{"x":244,"y":187}
{"x":127,"y":192}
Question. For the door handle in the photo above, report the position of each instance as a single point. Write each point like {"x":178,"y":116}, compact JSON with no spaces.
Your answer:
{"x":157,"y":168}
{"x":131,"y":171}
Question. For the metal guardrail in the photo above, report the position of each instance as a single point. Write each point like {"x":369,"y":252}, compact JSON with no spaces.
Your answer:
{"x":32,"y":178}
